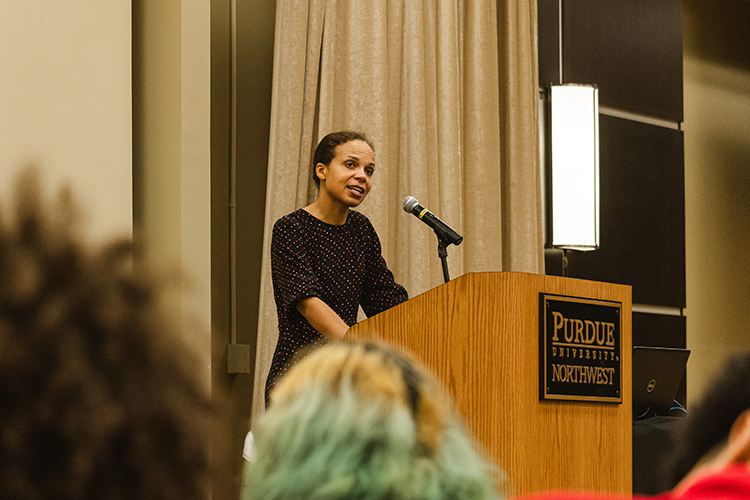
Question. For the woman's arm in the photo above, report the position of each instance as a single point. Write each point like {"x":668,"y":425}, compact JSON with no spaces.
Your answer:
{"x":322,"y":318}
{"x":380,"y":291}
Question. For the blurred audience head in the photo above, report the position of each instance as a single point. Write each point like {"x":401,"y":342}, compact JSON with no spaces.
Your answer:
{"x":358,"y":420}
{"x":707,"y":428}
{"x":99,"y":397}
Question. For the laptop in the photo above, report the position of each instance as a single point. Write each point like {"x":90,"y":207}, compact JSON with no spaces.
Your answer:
{"x":657,"y":373}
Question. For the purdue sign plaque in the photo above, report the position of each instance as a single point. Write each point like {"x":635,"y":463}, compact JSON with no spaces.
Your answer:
{"x":579,"y":344}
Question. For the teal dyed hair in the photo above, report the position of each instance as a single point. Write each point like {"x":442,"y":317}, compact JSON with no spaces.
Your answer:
{"x":358,"y":421}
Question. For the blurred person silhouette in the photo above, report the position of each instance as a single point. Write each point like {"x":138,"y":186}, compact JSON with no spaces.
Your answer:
{"x":99,"y":396}
{"x":712,"y":444}
{"x":360,"y":421}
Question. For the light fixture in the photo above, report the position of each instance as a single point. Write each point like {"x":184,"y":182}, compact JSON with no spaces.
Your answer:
{"x":573,"y":167}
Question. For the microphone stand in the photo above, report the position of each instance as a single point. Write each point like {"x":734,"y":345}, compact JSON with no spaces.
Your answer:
{"x":443,"y":254}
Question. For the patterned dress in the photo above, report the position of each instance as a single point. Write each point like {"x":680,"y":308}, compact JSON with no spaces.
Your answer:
{"x":341,"y":265}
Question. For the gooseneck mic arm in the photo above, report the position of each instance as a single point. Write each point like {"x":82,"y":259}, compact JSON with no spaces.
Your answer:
{"x":446,"y":235}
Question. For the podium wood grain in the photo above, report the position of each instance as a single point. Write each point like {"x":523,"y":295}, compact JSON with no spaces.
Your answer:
{"x":479,"y":335}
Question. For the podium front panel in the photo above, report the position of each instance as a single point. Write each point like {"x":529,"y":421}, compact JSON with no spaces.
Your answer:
{"x":479,"y":335}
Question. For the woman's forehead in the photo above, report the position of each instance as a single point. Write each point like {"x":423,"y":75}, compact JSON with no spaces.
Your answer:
{"x":357,"y":149}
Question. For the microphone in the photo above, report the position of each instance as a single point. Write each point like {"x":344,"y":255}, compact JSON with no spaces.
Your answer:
{"x":442,"y":229}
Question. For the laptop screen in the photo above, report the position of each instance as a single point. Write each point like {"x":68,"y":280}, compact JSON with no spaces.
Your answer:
{"x":657,"y":373}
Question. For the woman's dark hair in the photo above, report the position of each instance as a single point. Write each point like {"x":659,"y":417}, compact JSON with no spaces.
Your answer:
{"x":326,"y":150}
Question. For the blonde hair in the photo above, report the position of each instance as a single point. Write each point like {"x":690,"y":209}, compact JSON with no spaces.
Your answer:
{"x":359,"y":420}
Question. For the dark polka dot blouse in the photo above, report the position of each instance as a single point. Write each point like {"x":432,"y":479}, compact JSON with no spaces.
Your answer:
{"x":341,"y":265}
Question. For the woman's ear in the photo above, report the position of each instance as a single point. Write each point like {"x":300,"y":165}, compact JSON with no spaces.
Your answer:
{"x":739,"y":436}
{"x":321,"y":171}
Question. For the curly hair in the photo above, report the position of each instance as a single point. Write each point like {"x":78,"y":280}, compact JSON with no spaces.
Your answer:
{"x":359,"y":421}
{"x":99,"y":398}
{"x":708,"y":424}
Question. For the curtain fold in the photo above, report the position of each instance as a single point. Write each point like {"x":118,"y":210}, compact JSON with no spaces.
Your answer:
{"x":447,"y":91}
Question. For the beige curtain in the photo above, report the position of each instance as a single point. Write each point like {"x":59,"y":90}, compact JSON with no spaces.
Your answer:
{"x":448,"y":92}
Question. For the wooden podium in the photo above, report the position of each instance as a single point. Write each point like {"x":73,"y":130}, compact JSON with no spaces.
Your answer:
{"x":479,"y":335}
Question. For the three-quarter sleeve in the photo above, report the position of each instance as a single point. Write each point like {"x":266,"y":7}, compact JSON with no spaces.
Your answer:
{"x":380,"y":291}
{"x":291,"y":269}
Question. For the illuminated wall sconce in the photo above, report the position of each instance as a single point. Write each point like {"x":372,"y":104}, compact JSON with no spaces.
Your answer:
{"x":573,"y":174}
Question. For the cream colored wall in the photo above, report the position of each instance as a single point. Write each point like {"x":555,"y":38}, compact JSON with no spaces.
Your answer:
{"x":195,"y":207}
{"x":65,"y":103}
{"x":717,"y":189}
{"x":172,"y":151}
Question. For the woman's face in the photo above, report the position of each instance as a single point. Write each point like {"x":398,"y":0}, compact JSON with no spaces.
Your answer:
{"x":348,"y":178}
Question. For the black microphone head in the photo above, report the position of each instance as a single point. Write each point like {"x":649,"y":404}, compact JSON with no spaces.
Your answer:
{"x":409,"y":203}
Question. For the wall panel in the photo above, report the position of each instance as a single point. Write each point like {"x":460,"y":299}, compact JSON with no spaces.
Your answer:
{"x":631,"y":50}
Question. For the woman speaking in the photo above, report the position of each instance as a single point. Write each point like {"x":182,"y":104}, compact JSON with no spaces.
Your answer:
{"x":325,"y":258}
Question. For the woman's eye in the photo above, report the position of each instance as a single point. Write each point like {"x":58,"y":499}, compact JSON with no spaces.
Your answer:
{"x":369,"y":171}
